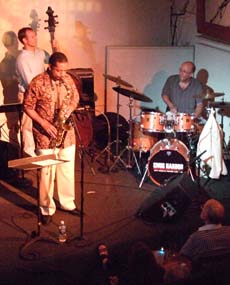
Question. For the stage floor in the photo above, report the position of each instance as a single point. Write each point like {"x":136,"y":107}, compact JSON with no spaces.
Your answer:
{"x":111,"y":201}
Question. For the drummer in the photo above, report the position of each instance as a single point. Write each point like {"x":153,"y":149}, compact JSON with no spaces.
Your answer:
{"x":179,"y":91}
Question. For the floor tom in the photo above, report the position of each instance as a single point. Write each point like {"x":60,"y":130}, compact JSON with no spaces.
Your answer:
{"x":141,"y":141}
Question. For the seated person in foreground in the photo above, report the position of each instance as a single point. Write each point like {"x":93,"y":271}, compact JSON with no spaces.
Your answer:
{"x":143,"y":268}
{"x":212,"y":239}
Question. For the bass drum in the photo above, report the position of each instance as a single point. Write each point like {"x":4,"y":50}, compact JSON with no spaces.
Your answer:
{"x":168,"y":159}
{"x":106,"y":123}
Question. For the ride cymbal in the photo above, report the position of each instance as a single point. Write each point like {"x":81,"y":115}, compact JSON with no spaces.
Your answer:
{"x":222,"y":105}
{"x":117,"y":80}
{"x":208,"y":96}
{"x":132,"y":93}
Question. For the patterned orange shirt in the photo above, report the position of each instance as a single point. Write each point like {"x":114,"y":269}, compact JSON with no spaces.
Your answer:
{"x":46,"y":97}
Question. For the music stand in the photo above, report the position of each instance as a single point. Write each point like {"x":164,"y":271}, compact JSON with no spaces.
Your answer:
{"x":35,"y":163}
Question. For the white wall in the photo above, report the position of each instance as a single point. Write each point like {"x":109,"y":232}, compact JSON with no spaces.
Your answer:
{"x":147,"y":69}
{"x":87,"y":26}
{"x":215,"y":58}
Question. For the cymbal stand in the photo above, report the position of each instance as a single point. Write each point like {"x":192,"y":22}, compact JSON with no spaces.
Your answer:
{"x":128,"y":148}
{"x":118,"y":124}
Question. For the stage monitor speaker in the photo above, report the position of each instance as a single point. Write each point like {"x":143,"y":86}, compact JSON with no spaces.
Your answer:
{"x":170,"y":202}
{"x":84,"y":81}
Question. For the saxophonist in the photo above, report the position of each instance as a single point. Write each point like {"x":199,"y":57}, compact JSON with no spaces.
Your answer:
{"x":49,"y":101}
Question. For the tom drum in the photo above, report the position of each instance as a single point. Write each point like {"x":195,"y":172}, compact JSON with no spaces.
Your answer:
{"x":183,"y":123}
{"x":152,"y":122}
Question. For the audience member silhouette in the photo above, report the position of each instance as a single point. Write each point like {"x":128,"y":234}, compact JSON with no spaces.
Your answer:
{"x":177,"y":271}
{"x":212,"y":238}
{"x":105,"y":270}
{"x":142,"y":266}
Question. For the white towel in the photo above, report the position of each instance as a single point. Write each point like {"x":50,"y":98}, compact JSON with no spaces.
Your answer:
{"x":211,"y":140}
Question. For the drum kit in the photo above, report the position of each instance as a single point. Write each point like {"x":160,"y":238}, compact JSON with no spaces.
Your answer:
{"x":168,"y":139}
{"x":154,"y":133}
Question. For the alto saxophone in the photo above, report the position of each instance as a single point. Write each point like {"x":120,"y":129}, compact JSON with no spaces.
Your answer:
{"x":63,"y":125}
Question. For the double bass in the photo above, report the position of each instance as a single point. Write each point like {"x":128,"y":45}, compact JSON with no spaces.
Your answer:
{"x":82,"y":119}
{"x":51,"y":27}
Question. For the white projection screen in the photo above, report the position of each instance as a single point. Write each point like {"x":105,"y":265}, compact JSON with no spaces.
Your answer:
{"x":146,"y":68}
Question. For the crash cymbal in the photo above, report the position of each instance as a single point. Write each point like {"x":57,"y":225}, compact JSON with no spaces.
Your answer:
{"x":132,"y":93}
{"x":222,"y":105}
{"x":117,"y":80}
{"x":209,"y":95}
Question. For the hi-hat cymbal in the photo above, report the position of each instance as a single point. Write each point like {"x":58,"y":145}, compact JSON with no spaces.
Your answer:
{"x":132,"y":93}
{"x":208,"y":96}
{"x":222,"y":105}
{"x":117,"y":80}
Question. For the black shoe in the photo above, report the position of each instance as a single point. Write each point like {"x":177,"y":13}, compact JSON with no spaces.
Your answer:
{"x":75,"y":211}
{"x":46,"y":219}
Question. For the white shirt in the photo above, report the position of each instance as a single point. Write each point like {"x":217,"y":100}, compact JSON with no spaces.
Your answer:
{"x":210,"y":227}
{"x":29,"y":64}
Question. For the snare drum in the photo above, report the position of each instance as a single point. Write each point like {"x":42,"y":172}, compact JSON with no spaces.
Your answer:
{"x":168,"y":158}
{"x":152,"y":122}
{"x":183,"y":123}
{"x":141,"y":142}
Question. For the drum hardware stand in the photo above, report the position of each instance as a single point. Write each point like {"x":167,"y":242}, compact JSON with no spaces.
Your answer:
{"x":128,"y":148}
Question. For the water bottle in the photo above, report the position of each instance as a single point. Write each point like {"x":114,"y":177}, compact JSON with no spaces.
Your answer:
{"x":162,"y":255}
{"x":159,"y":255}
{"x":62,"y":232}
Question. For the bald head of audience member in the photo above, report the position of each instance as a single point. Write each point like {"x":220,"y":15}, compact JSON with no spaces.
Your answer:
{"x":212,"y":212}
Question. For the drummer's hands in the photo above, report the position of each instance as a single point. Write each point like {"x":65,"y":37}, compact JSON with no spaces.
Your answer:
{"x":173,"y":109}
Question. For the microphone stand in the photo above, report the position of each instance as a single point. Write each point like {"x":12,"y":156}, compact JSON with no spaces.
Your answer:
{"x":81,"y":240}
{"x":198,"y":159}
